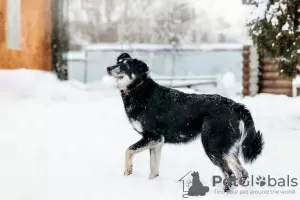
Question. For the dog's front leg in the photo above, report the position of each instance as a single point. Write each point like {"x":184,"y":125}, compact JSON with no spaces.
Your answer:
{"x":155,"y":154}
{"x":142,"y":145}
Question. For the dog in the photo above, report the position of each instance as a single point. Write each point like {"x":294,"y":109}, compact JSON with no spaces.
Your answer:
{"x":163,"y":115}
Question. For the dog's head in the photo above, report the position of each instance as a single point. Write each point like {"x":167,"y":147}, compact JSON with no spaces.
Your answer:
{"x":128,"y":71}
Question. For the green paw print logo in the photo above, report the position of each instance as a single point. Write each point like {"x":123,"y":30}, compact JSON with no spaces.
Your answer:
{"x":261,"y":181}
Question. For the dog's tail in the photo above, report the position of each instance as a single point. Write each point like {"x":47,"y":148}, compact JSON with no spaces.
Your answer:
{"x":252,"y":140}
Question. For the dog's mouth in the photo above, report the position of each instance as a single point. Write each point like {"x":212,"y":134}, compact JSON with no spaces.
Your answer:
{"x":120,"y":76}
{"x":115,"y":75}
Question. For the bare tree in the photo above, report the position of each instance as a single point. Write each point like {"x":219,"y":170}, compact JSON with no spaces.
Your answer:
{"x":142,"y":21}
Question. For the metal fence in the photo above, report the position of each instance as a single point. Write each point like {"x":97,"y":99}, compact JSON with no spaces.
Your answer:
{"x":194,"y":61}
{"x":171,"y":65}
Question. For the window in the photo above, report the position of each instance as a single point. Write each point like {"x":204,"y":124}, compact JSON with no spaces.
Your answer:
{"x":14,"y":24}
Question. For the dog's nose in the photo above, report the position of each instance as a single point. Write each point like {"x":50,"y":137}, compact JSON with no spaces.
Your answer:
{"x":109,"y":70}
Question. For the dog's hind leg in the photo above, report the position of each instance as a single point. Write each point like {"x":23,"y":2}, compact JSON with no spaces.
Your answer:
{"x":142,"y":145}
{"x":155,"y":156}
{"x":237,"y":166}
{"x":215,"y":144}
{"x":228,"y":174}
{"x":217,"y":159}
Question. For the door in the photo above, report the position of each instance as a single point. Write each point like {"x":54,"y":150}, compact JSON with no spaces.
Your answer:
{"x":25,"y":34}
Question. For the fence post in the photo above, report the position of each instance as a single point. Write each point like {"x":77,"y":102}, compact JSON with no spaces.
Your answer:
{"x":250,"y":71}
{"x":85,"y":66}
{"x":246,"y":71}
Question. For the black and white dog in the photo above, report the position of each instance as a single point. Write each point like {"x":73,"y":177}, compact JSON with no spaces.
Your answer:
{"x":163,"y":115}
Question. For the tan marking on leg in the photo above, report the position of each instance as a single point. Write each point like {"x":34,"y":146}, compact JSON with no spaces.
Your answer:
{"x":236,"y":158}
{"x":128,"y":162}
{"x":242,"y":173}
{"x":129,"y":154}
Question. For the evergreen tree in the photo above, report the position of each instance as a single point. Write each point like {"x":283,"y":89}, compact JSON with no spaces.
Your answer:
{"x":274,"y":30}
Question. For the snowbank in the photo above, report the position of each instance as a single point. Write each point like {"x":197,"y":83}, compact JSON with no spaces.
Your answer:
{"x":71,"y":146}
{"x":25,"y":84}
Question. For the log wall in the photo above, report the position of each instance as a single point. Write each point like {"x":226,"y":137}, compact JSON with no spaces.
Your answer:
{"x":271,"y":81}
{"x":263,"y":76}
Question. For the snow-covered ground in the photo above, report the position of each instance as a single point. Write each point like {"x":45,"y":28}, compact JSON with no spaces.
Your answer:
{"x":61,"y":141}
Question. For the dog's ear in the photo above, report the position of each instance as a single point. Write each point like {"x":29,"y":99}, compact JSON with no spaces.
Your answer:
{"x":140,"y":66}
{"x":123,"y":57}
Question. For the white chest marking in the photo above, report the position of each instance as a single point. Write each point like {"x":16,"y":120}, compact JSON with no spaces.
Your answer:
{"x":124,"y":82}
{"x":136,"y":125}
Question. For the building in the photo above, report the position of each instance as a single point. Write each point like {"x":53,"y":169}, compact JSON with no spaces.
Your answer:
{"x":31,"y":34}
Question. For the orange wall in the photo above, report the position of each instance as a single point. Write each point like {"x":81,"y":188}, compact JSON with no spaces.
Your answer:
{"x":36,"y":50}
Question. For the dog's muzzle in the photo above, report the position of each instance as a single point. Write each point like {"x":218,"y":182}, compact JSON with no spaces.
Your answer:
{"x":109,"y":69}
{"x":115,"y":72}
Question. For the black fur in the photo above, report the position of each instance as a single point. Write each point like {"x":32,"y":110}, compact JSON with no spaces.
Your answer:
{"x":181,"y":118}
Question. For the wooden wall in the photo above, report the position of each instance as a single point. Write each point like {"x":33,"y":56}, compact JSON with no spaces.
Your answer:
{"x":36,"y":41}
{"x":271,"y":81}
{"x":267,"y":80}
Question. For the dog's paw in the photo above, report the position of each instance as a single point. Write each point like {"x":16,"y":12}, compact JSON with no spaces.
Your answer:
{"x":153,"y":176}
{"x":228,"y":183}
{"x":127,"y":172}
{"x":243,"y":179}
{"x":227,"y":188}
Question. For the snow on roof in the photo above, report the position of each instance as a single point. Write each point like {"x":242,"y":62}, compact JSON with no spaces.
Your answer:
{"x":75,"y":55}
{"x":164,"y":47}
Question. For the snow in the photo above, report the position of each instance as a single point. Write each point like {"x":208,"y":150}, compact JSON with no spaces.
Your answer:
{"x":275,"y":21}
{"x":166,"y":47}
{"x":258,"y":12}
{"x":65,"y":140}
{"x":75,"y":55}
{"x":278,"y":35}
{"x":286,"y":26}
{"x":296,"y":80}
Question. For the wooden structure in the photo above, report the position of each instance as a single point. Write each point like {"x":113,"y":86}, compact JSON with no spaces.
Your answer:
{"x":37,"y":30}
{"x":35,"y":51}
{"x":250,"y":71}
{"x":271,"y":81}
{"x":262,"y":76}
